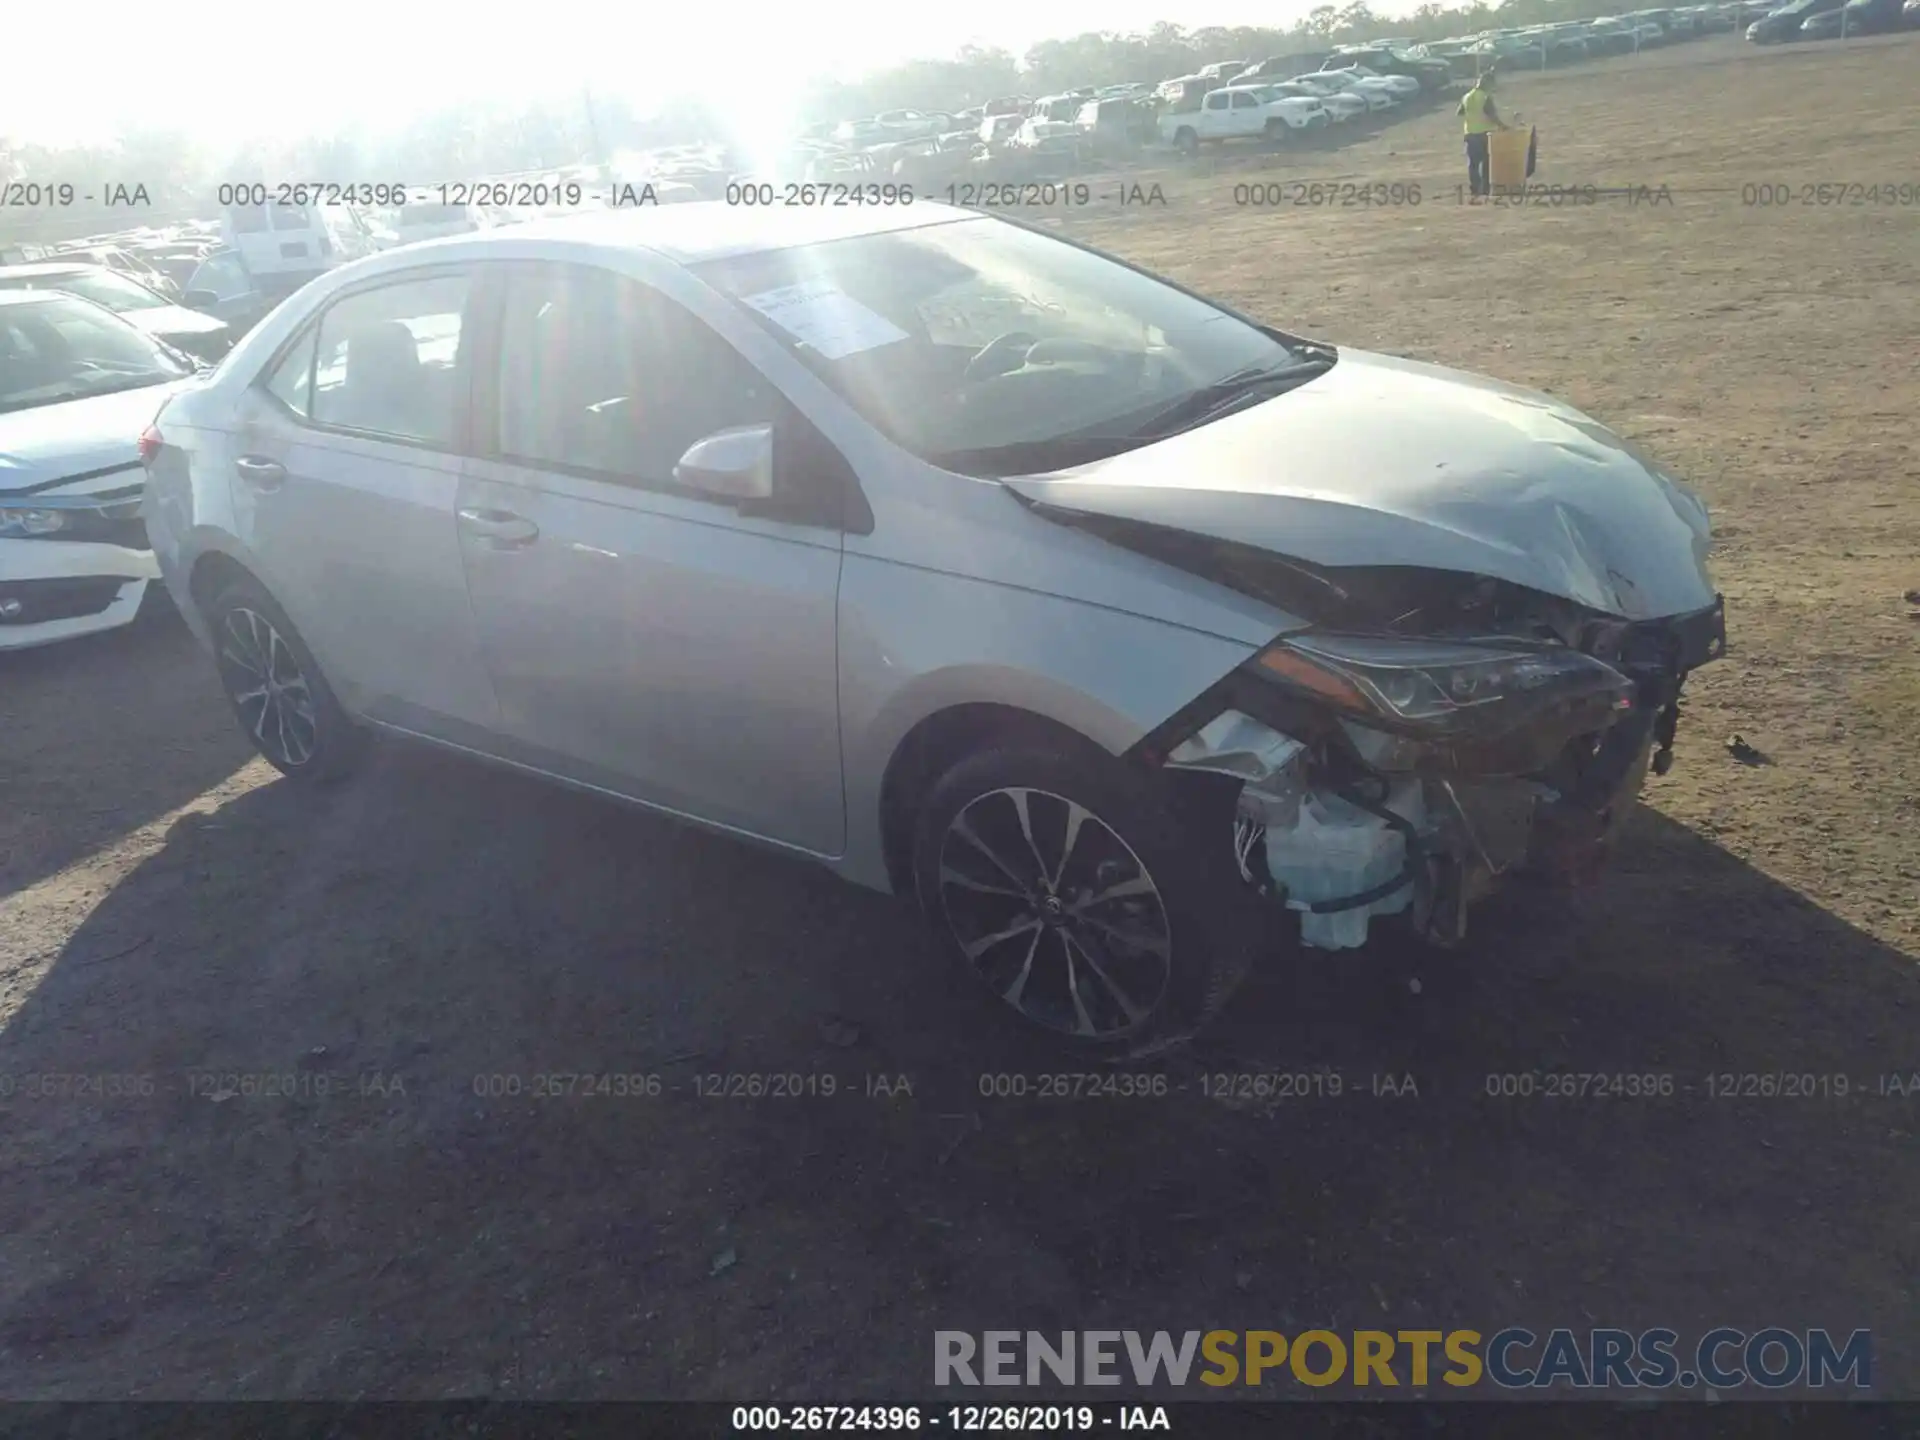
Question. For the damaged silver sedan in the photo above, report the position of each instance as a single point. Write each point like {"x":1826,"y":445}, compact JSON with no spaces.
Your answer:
{"x":1110,"y":624}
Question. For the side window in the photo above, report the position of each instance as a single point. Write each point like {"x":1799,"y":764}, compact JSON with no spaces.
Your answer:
{"x":385,"y":360}
{"x":1244,"y":101}
{"x":1216,"y":102}
{"x":598,"y":373}
{"x":291,"y":382}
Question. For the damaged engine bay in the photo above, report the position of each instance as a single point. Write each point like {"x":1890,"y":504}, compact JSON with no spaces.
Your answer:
{"x":1427,"y":734}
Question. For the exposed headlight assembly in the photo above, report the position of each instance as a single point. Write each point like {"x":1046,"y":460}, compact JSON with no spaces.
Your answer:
{"x":1458,"y":698}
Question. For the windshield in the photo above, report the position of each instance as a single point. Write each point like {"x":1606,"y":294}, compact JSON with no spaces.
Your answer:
{"x":63,"y":349}
{"x":986,"y":347}
{"x":103,"y":287}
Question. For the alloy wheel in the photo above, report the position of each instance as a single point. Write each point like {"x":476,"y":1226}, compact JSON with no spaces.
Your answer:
{"x":1056,"y":912}
{"x":265,"y":683}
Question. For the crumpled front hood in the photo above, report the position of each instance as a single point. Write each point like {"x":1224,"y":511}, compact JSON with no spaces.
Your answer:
{"x":41,"y":447}
{"x":1383,"y":461}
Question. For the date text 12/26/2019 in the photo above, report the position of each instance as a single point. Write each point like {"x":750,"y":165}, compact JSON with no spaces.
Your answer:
{"x":957,"y":1419}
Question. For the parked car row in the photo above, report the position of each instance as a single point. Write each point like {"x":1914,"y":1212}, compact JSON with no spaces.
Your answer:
{"x":1833,"y":20}
{"x":1275,"y":98}
{"x":1013,"y":137}
{"x":1566,"y":42}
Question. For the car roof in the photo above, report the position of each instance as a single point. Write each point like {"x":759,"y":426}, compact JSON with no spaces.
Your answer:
{"x":699,"y":230}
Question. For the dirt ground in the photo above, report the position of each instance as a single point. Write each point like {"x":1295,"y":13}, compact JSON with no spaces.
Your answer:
{"x":166,"y":910}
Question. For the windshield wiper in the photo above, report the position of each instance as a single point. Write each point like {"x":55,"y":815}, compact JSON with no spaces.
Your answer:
{"x":1209,"y":401}
{"x":1027,"y":457}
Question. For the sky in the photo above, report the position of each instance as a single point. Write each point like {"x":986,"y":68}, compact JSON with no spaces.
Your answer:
{"x":221,"y":68}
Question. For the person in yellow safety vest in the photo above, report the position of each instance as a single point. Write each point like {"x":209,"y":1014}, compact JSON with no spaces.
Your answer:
{"x":1480,"y":118}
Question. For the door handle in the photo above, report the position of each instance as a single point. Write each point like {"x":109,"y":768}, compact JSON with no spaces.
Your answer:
{"x":504,"y":528}
{"x":260,"y":472}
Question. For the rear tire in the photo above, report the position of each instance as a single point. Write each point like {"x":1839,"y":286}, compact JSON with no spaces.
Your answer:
{"x":1063,"y":885}
{"x":1187,"y":142}
{"x":282,"y":701}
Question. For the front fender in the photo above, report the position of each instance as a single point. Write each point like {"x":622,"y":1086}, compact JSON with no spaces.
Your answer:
{"x":915,"y":642}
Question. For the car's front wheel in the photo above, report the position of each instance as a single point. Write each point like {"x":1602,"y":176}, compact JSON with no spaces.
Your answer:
{"x":1068,"y":890}
{"x":283,"y":702}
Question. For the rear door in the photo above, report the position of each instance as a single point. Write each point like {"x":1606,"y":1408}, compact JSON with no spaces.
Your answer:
{"x":345,"y":468}
{"x":642,"y":637}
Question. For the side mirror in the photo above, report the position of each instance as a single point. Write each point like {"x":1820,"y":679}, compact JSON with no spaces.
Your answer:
{"x":199,"y":299}
{"x":731,"y":465}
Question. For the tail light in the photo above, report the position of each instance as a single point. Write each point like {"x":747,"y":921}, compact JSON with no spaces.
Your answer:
{"x":150,"y":443}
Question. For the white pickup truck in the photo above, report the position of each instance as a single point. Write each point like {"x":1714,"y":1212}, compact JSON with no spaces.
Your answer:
{"x":1242,"y":112}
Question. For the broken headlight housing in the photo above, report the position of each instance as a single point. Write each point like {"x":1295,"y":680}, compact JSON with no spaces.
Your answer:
{"x":1492,"y":706}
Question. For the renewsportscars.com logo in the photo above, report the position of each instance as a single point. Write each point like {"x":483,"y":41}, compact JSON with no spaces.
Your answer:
{"x":1514,"y":1358}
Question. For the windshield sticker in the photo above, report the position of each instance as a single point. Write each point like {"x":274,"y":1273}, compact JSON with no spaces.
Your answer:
{"x":827,"y":318}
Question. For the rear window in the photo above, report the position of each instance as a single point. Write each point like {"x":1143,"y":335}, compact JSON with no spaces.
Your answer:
{"x":248,"y":220}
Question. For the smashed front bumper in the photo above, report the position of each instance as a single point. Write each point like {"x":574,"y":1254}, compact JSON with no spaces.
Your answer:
{"x":1341,"y":822}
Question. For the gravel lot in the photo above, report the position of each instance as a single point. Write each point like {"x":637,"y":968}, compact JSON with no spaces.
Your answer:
{"x":167,"y":909}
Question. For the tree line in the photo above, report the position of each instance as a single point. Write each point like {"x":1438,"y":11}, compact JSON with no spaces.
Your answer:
{"x":475,"y":139}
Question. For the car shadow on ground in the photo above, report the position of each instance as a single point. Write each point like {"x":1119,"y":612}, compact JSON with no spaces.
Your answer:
{"x":342,"y":1074}
{"x":156,"y":746}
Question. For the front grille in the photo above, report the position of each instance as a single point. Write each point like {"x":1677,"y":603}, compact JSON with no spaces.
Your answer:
{"x":66,"y":599}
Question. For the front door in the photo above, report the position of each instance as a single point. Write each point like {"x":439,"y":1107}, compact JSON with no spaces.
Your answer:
{"x":640,"y":637}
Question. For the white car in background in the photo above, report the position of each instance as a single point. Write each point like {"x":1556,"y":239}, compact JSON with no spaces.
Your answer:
{"x":1241,"y":112}
{"x":1296,"y":112}
{"x":1375,"y":97}
{"x":78,"y":388}
{"x":1401,"y":87}
{"x":294,"y":240}
{"x":1340,"y":105}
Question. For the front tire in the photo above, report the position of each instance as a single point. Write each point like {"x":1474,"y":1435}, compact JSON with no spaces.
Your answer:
{"x":1065,"y":887}
{"x":282,"y":701}
{"x":1187,"y":142}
